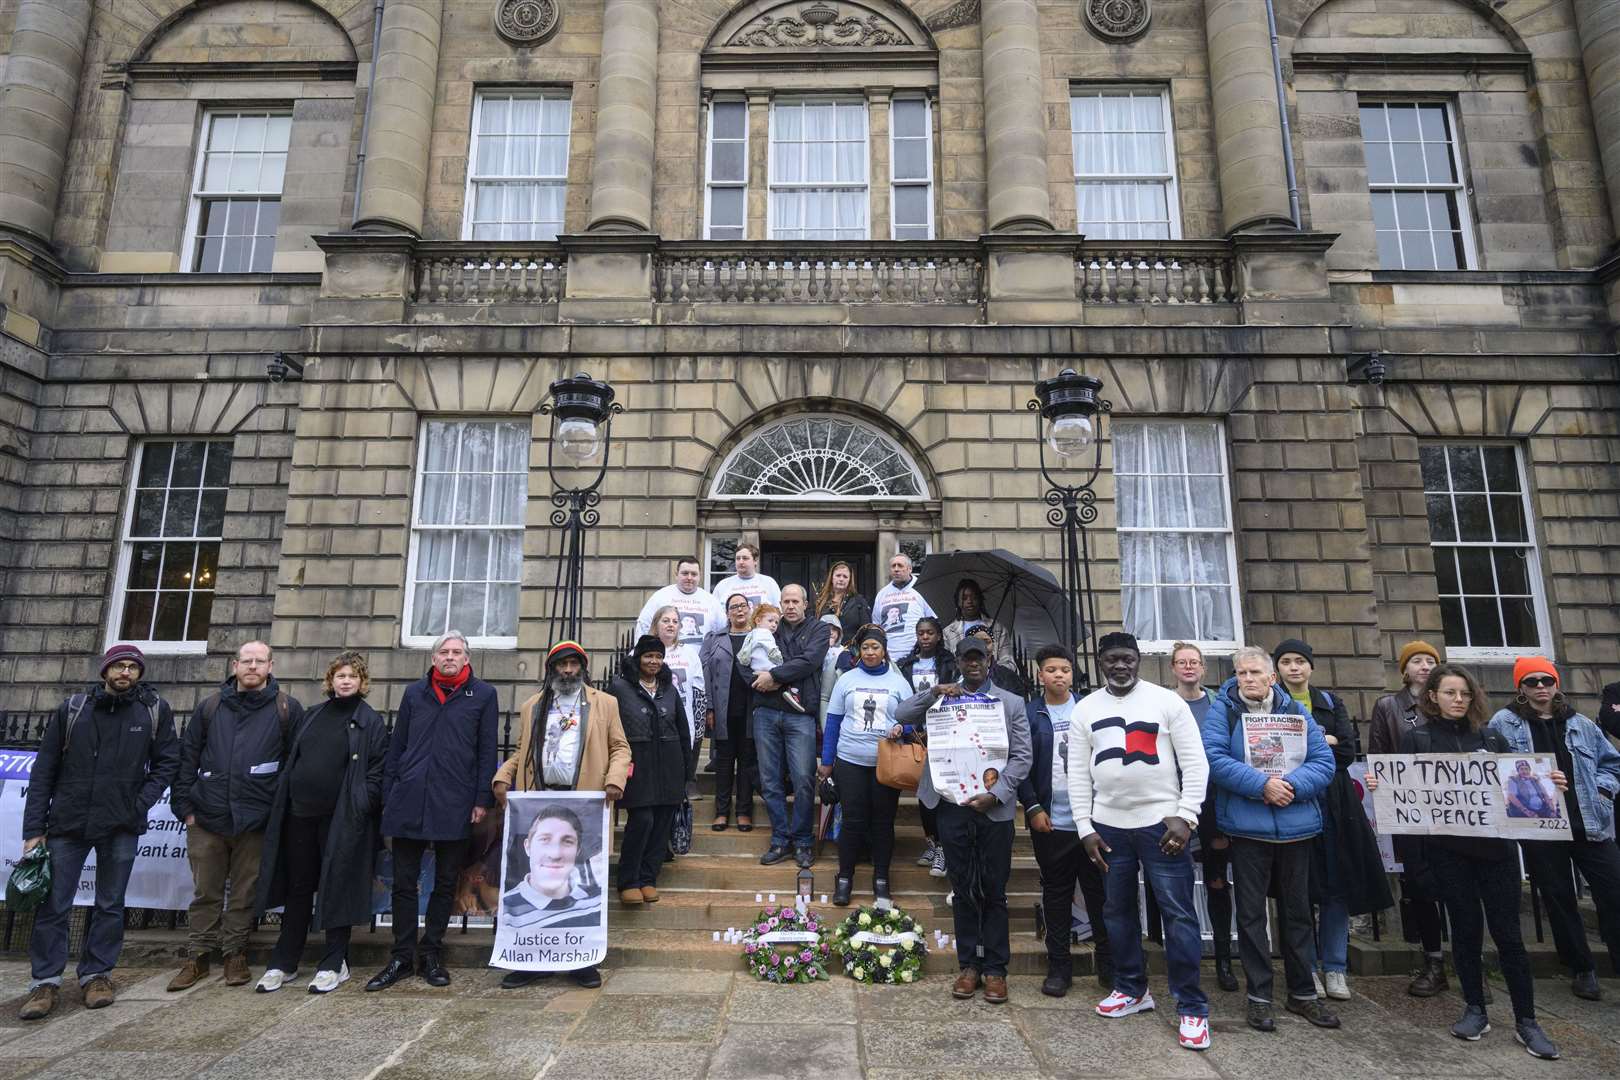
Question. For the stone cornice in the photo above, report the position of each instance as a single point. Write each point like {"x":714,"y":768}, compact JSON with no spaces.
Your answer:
{"x":1423,"y":63}
{"x":120,"y":76}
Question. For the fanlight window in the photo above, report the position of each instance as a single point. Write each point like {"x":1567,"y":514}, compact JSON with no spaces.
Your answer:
{"x":819,"y":457}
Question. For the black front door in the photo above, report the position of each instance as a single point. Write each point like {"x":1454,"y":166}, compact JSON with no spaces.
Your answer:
{"x":806,"y":562}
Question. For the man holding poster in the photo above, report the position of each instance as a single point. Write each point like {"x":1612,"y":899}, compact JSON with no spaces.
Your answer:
{"x":552,"y":915}
{"x":978,"y":753}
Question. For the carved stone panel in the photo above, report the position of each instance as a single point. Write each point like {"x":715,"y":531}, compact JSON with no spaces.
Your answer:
{"x":527,"y":22}
{"x":820,"y":25}
{"x":1118,"y":20}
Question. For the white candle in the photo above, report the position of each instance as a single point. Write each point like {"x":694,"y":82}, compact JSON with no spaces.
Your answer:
{"x":823,"y":898}
{"x":759,"y":898}
{"x":717,"y":936}
{"x":772,"y":898}
{"x":731,"y":931}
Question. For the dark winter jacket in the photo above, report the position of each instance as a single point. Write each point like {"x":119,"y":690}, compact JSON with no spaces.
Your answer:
{"x":944,"y":667}
{"x":661,"y":748}
{"x":1035,"y":791}
{"x":441,"y":761}
{"x":1440,"y":736}
{"x":343,"y":897}
{"x":114,"y":768}
{"x":231,"y":756}
{"x":1392,"y":716}
{"x":803,"y":647}
{"x":1345,"y":864}
{"x":854,"y":613}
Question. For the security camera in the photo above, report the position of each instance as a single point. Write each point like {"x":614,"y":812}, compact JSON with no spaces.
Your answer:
{"x":281,"y":367}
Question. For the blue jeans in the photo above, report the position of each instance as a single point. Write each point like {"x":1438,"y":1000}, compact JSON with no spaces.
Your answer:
{"x":776,"y":732}
{"x":1333,"y":936}
{"x":104,"y":936}
{"x":1171,"y":877}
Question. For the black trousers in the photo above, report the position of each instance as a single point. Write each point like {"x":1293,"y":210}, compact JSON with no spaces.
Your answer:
{"x":735,"y":767}
{"x":1549,"y":863}
{"x":1420,"y":919}
{"x":978,"y":858}
{"x":1063,"y":862}
{"x":1469,"y":885}
{"x":303,"y":846}
{"x":448,"y":856}
{"x":646,"y":835}
{"x":929,"y":816}
{"x":869,"y":809}
{"x":1254,"y":863}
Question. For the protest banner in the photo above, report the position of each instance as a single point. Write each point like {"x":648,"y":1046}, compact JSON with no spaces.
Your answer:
{"x":1274,"y":743}
{"x":967,"y":745}
{"x":161,"y":878}
{"x":552,"y":914}
{"x":1506,"y":796}
{"x":1386,"y":844}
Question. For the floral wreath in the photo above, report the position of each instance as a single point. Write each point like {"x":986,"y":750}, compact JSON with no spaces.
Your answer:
{"x":881,"y":945}
{"x":786,"y":961}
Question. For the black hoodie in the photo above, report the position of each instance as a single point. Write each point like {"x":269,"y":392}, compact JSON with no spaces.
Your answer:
{"x":661,"y":748}
{"x":231,"y":756}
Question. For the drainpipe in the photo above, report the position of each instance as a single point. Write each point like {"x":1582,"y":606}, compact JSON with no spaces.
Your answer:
{"x":1282,"y":111}
{"x":371,"y":97}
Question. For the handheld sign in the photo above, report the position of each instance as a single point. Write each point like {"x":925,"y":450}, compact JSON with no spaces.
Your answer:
{"x":967,"y":746}
{"x":1505,"y":796}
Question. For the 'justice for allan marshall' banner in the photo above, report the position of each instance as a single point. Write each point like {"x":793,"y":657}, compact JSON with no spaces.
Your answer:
{"x":552,"y":914}
{"x":1509,"y":796}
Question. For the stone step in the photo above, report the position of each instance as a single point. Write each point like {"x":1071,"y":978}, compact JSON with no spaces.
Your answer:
{"x":704,"y":909}
{"x":743,"y":872}
{"x":908,"y":841}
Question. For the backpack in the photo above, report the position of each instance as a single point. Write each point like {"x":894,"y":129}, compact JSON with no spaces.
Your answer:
{"x":208,"y":706}
{"x":79,"y":704}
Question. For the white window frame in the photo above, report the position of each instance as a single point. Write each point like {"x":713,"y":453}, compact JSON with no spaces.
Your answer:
{"x":468,"y":206}
{"x":889,"y":442}
{"x":1171,"y":179}
{"x":927,"y":183}
{"x":126,"y":550}
{"x":407,"y":639}
{"x":1213,"y":647}
{"x":773,"y":185}
{"x":1538,"y":590}
{"x":710,"y":183}
{"x":710,"y":578}
{"x":1460,"y":189}
{"x":189,"y":255}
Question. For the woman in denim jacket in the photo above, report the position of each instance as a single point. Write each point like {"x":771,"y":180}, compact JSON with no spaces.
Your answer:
{"x":1541,"y":721}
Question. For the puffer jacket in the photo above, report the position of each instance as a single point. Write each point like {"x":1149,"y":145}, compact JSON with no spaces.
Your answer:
{"x":661,"y":747}
{"x":1239,"y":810}
{"x":231,"y":756}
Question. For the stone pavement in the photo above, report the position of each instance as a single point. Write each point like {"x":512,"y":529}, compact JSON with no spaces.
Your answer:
{"x":647,"y":1023}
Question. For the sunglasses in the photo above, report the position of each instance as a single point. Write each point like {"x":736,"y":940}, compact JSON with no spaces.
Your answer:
{"x":1538,"y":682}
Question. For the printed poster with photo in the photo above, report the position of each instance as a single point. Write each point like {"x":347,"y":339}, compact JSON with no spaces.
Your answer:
{"x":1509,"y":796}
{"x":552,"y":914}
{"x":1274,"y":743}
{"x":967,"y":746}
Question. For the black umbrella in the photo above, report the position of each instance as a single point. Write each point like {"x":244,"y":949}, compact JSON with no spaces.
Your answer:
{"x":1018,"y":594}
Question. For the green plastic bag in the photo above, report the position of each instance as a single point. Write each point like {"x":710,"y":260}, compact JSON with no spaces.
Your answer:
{"x":30,"y":881}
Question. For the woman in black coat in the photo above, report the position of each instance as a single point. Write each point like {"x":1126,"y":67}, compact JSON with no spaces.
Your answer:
{"x":322,"y":836}
{"x":839,"y":596}
{"x":661,"y":753}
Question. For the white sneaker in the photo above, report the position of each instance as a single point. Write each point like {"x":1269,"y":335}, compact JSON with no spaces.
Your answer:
{"x":927,"y":857}
{"x":325,"y":982}
{"x":1337,"y":988}
{"x":1117,"y":1004}
{"x":1316,"y":978}
{"x":271,"y":981}
{"x":938,"y":868}
{"x":1195,"y":1032}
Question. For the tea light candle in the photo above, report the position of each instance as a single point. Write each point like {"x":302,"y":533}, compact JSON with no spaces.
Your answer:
{"x":759,"y":898}
{"x":823,"y":898}
{"x":772,"y":898}
{"x":717,"y":937}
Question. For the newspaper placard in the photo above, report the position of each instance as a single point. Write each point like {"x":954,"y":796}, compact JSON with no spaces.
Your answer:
{"x":552,"y":914}
{"x":967,"y":746}
{"x":1274,"y":743}
{"x":1507,"y":796}
{"x":1386,"y":844}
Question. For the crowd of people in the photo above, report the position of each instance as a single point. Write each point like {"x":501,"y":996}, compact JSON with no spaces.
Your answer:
{"x":796,"y":694}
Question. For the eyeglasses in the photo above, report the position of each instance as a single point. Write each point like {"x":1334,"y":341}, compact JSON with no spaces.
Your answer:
{"x":124,"y":666}
{"x":1538,"y":682}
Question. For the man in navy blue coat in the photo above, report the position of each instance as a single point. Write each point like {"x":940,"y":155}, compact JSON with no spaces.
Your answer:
{"x":436,"y":786}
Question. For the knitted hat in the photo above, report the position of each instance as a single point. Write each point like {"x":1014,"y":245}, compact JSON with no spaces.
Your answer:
{"x":1415,"y":648}
{"x":647,"y":644}
{"x":1293,"y":645}
{"x":1533,"y":665}
{"x":121,"y":651}
{"x":1119,"y":639}
{"x":567,"y":648}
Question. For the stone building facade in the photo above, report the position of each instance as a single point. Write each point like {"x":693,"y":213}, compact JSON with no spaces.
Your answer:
{"x":281,"y":297}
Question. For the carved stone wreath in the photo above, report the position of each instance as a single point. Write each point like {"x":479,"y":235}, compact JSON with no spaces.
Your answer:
{"x":1118,"y":20}
{"x":526,"y":22}
{"x":819,"y":26}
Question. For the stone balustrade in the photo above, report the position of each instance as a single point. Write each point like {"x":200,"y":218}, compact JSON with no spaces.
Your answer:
{"x":1156,"y":272}
{"x":498,"y":273}
{"x":820,"y":272}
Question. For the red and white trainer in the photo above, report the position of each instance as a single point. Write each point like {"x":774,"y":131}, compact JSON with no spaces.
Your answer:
{"x":1195,"y":1032}
{"x":1118,"y":1004}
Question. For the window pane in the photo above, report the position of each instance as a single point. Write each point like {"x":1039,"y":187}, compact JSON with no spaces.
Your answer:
{"x":1445,"y":571}
{"x":1467,"y":468}
{"x":1209,"y":564}
{"x":909,"y":118}
{"x":180,"y":517}
{"x":1135,"y":559}
{"x":137,"y":622}
{"x":730,"y":120}
{"x":1389,"y":251}
{"x":501,"y":620}
{"x":144,"y":562}
{"x":1512,"y":575}
{"x":1215,"y":615}
{"x":1131,"y":494}
{"x":148,"y":518}
{"x":1484,"y":622}
{"x":202,"y":608}
{"x":1170,"y":509}
{"x":1432,"y":461}
{"x":506,"y":556}
{"x":1473,"y":522}
{"x":1176,"y":611}
{"x":911,"y":205}
{"x":1451,"y":619}
{"x":1403,"y":122}
{"x":438,"y":491}
{"x":211,"y":515}
{"x":726,"y":208}
{"x":188,"y":464}
{"x":218,"y":471}
{"x":429,"y":610}
{"x":473,"y":500}
{"x":1501,"y":468}
{"x":154,"y":470}
{"x":1507,"y":512}
{"x":1475,"y":565}
{"x":178,"y":565}
{"x":728,"y":161}
{"x":911,"y":159}
{"x":1172,"y":561}
{"x":467,"y":607}
{"x":1519,"y":622}
{"x":1138,"y":614}
{"x":471,"y":561}
{"x":170,"y":621}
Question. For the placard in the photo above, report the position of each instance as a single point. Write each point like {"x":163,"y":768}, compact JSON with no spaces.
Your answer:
{"x":1504,"y":796}
{"x":1386,"y":844}
{"x":967,"y":745}
{"x":552,"y":914}
{"x":1274,"y":743}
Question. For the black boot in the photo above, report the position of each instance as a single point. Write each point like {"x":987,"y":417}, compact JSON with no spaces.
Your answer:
{"x":842,"y":888}
{"x":1431,"y":980}
{"x":1058,"y":981}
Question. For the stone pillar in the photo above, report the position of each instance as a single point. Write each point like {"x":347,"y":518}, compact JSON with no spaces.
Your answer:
{"x":879,"y":101}
{"x":1248,"y":127}
{"x":1014,"y":118}
{"x":37,"y":101}
{"x":1598,"y":23}
{"x":759,"y":164}
{"x":622,"y":172}
{"x":393,"y":191}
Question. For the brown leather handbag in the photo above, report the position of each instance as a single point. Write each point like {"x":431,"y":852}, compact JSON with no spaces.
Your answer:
{"x":900,"y":764}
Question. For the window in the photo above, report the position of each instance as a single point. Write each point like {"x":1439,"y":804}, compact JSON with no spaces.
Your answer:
{"x":519,"y":173}
{"x":168,"y":563}
{"x":722,"y":559}
{"x":1124,"y":165}
{"x":727,"y":214}
{"x":236,"y":192}
{"x":467,"y":532}
{"x":1485,"y":562}
{"x":912,"y":163}
{"x":818,"y":170}
{"x":1177,"y":562}
{"x":819,"y":456}
{"x":1416,"y":183}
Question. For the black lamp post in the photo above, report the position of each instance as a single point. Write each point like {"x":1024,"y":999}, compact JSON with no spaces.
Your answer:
{"x":1068,"y":412}
{"x":581,"y":411}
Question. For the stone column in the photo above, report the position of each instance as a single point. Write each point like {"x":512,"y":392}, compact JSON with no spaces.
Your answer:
{"x":759,"y":164}
{"x":1014,"y":118}
{"x":1598,"y":23}
{"x":622,"y":172}
{"x":393,"y":191}
{"x":37,"y":100}
{"x":1248,"y":127}
{"x":879,"y":101}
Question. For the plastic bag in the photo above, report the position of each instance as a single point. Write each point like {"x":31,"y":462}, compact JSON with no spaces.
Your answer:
{"x":30,"y":881}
